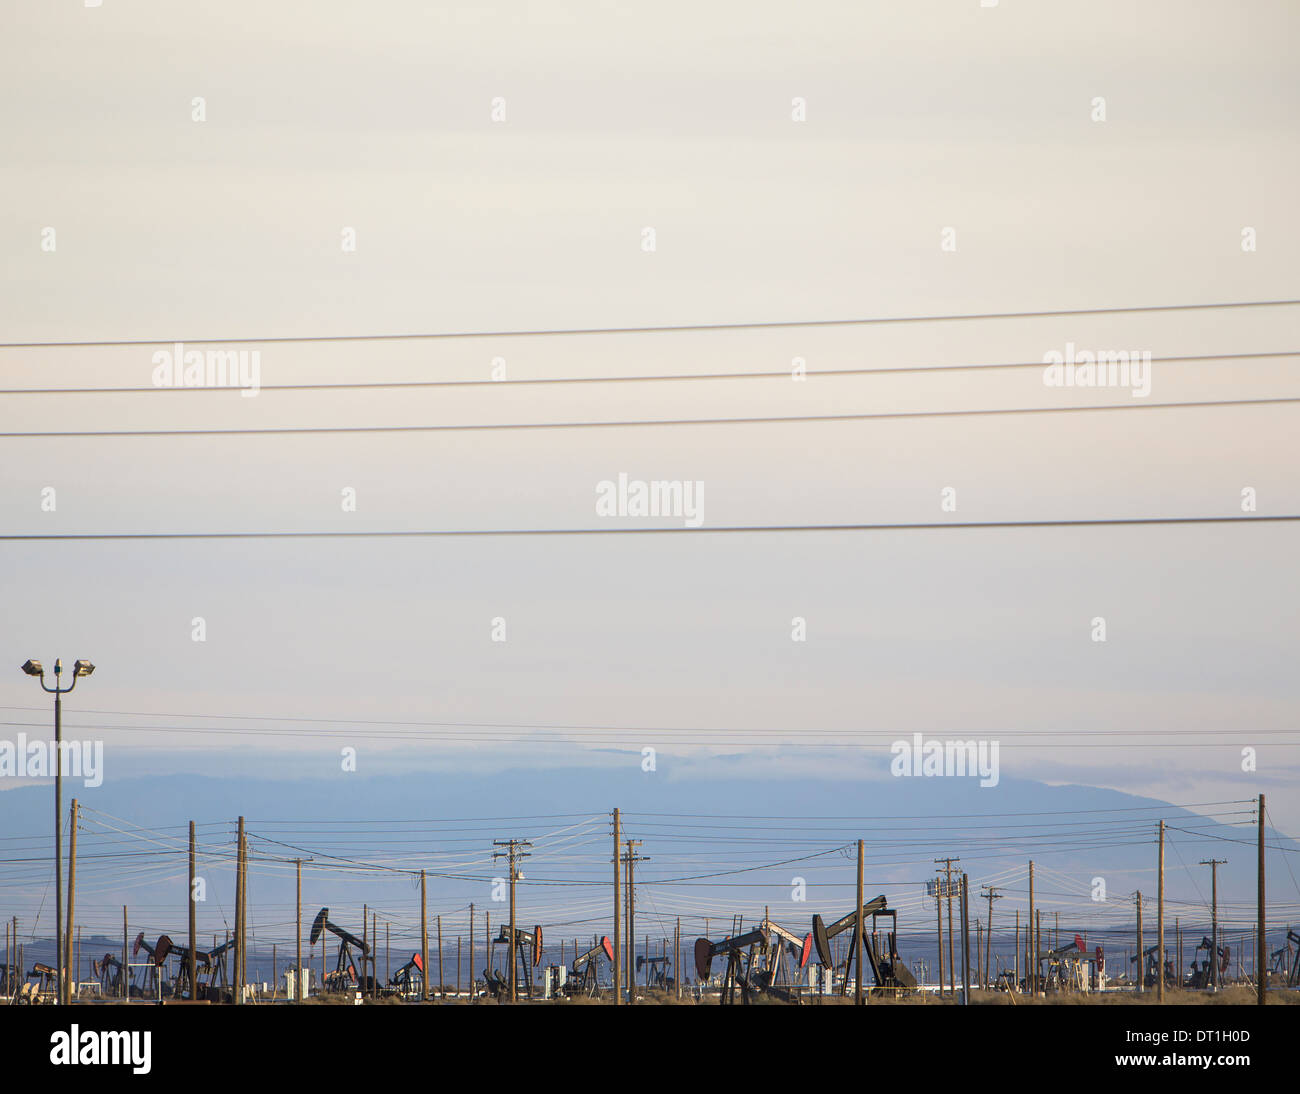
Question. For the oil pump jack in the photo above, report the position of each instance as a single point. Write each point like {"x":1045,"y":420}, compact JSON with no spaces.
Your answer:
{"x":110,"y":974}
{"x":887,"y":968}
{"x":344,"y":977}
{"x":734,"y":977}
{"x":1202,"y":975}
{"x":528,"y":954}
{"x":209,"y":968}
{"x":158,"y":954}
{"x":582,"y":978}
{"x":1291,"y":976}
{"x":408,"y":980}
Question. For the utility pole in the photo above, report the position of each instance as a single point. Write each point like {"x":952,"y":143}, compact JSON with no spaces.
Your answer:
{"x":947,"y":886}
{"x":1214,"y":864}
{"x":513,"y":853}
{"x":72,"y":903}
{"x":1031,"y":966}
{"x":938,"y":913}
{"x":442,"y":980}
{"x":424,"y":940}
{"x":677,"y":958}
{"x":618,"y":945}
{"x":297,"y":940}
{"x":965,"y":941}
{"x":125,"y":971}
{"x":1142,"y":976}
{"x":631,"y":858}
{"x":1160,"y":922}
{"x":1261,"y":953}
{"x":857,"y":937}
{"x":239,"y":914}
{"x":990,"y":891}
{"x":471,"y":952}
{"x":1017,"y":973}
{"x":194,"y":924}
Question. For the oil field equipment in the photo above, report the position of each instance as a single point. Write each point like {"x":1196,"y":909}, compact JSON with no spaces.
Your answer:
{"x":44,"y":990}
{"x":659,"y":967}
{"x":154,"y":980}
{"x":887,"y":968}
{"x":528,"y":955}
{"x":734,"y":976}
{"x":110,"y":974}
{"x":582,"y":978}
{"x":1151,"y":964}
{"x":1202,"y":974}
{"x":344,"y":977}
{"x":408,"y":981}
{"x":210,"y":974}
{"x":1280,"y":957}
{"x":1065,"y":970}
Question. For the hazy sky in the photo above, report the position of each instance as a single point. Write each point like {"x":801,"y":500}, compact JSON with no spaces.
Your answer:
{"x":324,"y":117}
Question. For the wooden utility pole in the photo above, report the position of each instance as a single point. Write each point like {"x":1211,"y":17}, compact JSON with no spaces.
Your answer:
{"x":979,"y":951}
{"x":514,"y":851}
{"x":1017,"y":949}
{"x":965,"y":941}
{"x":618,"y":967}
{"x":442,"y":982}
{"x":298,"y":990}
{"x":471,"y":952}
{"x":938,"y":912}
{"x":388,"y":961}
{"x":194,"y":922}
{"x":677,"y":958}
{"x":1261,"y":952}
{"x":857,"y":935}
{"x":66,"y":973}
{"x":631,"y":858}
{"x":458,"y":966}
{"x":992,"y":893}
{"x":1142,"y":977}
{"x":1160,"y":922}
{"x":1031,"y":966}
{"x":947,"y":886}
{"x":125,"y":972}
{"x":1214,"y":864}
{"x":238,"y":964}
{"x":424,"y":940}
{"x":367,"y":946}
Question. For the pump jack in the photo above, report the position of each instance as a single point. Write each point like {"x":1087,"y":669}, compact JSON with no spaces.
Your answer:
{"x":1200,"y":976}
{"x":158,"y":953}
{"x":659,"y":966}
{"x":1065,"y":970}
{"x":706,"y":951}
{"x":887,"y":968}
{"x":582,"y":978}
{"x":209,"y":966}
{"x":1280,"y":955}
{"x":109,"y":972}
{"x":407,"y":980}
{"x":1151,"y":965}
{"x":344,"y":977}
{"x":528,"y":954}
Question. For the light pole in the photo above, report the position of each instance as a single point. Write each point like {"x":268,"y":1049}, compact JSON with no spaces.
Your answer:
{"x":79,"y":669}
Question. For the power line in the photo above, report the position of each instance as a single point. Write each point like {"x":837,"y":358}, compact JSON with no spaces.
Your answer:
{"x":367,"y":385}
{"x":669,"y":328}
{"x":702,"y":530}
{"x":784,"y":419}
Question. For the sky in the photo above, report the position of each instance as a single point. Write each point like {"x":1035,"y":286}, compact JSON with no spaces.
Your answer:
{"x":327,"y":123}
